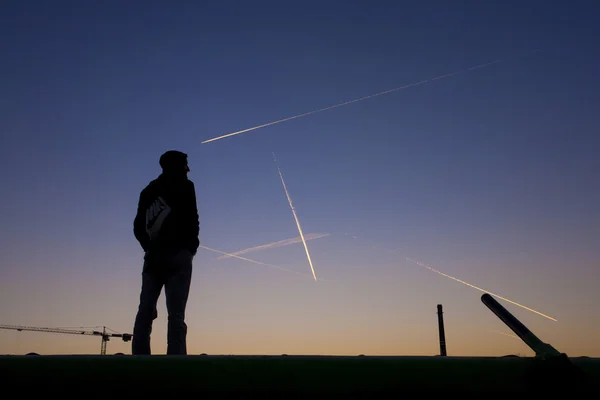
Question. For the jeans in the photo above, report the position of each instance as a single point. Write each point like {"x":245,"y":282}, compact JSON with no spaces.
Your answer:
{"x":174,"y":272}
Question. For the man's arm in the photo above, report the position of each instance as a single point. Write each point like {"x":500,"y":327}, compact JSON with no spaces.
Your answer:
{"x":139,"y":224}
{"x":194,"y":220}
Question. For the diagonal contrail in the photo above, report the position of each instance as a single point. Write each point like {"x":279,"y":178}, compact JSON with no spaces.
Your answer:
{"x":295,"y":218}
{"x":467,"y":284}
{"x":354,"y":101}
{"x":505,"y":334}
{"x":285,"y":242}
{"x":478,"y":288}
{"x":254,"y":261}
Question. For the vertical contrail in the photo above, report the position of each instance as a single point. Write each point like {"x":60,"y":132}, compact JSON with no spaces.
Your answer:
{"x":254,"y":261}
{"x":295,"y":218}
{"x":355,"y":100}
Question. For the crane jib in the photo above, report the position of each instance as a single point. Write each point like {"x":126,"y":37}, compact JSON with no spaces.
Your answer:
{"x":126,"y":337}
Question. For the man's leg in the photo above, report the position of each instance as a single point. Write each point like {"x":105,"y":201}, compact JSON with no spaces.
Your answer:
{"x":177,"y":289}
{"x":147,"y":313}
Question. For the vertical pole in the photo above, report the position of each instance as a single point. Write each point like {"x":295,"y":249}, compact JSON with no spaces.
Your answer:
{"x":442,"y":332}
{"x":104,"y":340}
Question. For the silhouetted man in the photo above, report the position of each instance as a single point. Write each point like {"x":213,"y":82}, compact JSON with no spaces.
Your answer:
{"x":167,"y":226}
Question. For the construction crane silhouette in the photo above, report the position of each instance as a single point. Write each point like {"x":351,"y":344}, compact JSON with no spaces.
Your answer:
{"x":106,"y":336}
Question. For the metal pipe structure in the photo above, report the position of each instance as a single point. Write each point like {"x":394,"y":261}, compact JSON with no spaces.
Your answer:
{"x":541,"y":349}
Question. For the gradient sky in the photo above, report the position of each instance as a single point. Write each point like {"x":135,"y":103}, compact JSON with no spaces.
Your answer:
{"x":490,"y":176}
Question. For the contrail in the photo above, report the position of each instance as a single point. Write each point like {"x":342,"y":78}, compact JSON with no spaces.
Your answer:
{"x":285,"y":242}
{"x":478,"y":288}
{"x":470,"y":285}
{"x":355,"y":100}
{"x":295,"y":218}
{"x":255,"y":262}
{"x":505,"y":334}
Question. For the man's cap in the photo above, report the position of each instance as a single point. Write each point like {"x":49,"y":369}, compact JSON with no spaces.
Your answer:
{"x":173,"y":159}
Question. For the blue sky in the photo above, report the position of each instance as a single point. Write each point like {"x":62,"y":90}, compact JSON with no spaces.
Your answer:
{"x":489,"y":175}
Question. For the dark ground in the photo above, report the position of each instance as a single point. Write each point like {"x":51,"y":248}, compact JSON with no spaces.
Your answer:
{"x":291,"y":376}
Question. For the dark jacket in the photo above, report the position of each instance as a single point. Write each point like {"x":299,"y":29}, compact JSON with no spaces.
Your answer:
{"x":167,"y":215}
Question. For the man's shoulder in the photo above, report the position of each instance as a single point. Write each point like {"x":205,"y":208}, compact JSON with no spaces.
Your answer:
{"x":164,"y":185}
{"x":191,"y":188}
{"x":150,"y":188}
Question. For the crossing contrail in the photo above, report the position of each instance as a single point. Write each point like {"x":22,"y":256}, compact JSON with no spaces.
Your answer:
{"x":285,"y":242}
{"x":255,"y":262}
{"x":296,"y":219}
{"x":356,"y":100}
{"x":421,"y":264}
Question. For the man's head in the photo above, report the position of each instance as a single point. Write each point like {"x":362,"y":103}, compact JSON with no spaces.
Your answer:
{"x":174,"y":162}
